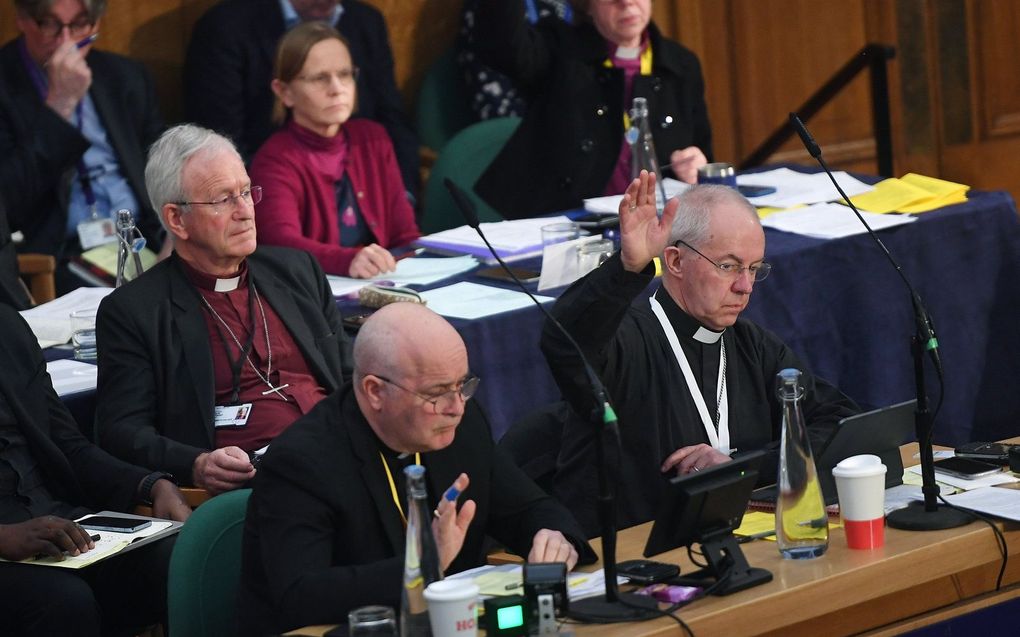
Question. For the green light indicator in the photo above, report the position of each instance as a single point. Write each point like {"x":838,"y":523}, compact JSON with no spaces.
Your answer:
{"x":510,"y":617}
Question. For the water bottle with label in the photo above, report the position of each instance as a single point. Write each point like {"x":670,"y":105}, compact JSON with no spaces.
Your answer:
{"x":642,"y":149}
{"x":421,"y":557}
{"x":802,"y":526}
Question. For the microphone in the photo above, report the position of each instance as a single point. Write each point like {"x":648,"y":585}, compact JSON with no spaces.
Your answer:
{"x":616,"y":606}
{"x":806,"y":138}
{"x":130,"y":242}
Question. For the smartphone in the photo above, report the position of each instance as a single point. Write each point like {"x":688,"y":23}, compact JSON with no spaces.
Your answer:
{"x":523,"y":275}
{"x":597,"y":221}
{"x":755,"y":191}
{"x":991,"y":452}
{"x":114,"y":524}
{"x":647,"y":571}
{"x":966,"y":468}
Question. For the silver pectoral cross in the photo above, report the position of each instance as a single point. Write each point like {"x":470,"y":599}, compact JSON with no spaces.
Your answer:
{"x":276,"y":390}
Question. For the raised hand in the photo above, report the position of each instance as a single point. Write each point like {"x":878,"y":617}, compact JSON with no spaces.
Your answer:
{"x":450,"y":526}
{"x":643,"y":235}
{"x":69,"y":79}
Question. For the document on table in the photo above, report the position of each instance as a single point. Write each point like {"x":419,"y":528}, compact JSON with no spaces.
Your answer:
{"x":1003,"y":477}
{"x":794,"y":187}
{"x":512,"y":240}
{"x":1002,"y":503}
{"x":507,"y":579}
{"x":51,"y":322}
{"x":108,"y":544}
{"x":410,"y":271}
{"x":830,"y":221}
{"x":611,"y":203}
{"x":473,"y":300}
{"x":71,"y":376}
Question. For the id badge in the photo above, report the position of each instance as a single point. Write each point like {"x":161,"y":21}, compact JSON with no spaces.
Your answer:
{"x":96,"y":232}
{"x":231,"y":415}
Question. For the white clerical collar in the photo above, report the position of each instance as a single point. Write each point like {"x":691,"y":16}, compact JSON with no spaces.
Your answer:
{"x":627,"y":52}
{"x":227,"y":285}
{"x":707,"y":336}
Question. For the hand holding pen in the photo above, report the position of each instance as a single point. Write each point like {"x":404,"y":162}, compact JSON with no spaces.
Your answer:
{"x":69,"y":75}
{"x":450,"y":526}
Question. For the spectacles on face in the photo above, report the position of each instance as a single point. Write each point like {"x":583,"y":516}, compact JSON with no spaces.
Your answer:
{"x":228,"y":203}
{"x":322,"y":81}
{"x":758,"y":271}
{"x":465,"y":389}
{"x":51,"y":28}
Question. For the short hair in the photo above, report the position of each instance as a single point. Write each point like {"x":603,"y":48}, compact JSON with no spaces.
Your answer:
{"x":695,"y":211}
{"x":37,"y":9}
{"x":292,"y":52}
{"x":167,"y":156}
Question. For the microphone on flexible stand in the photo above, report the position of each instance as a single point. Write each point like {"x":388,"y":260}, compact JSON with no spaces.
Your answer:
{"x":130,"y":241}
{"x":926,"y":516}
{"x":616,"y":606}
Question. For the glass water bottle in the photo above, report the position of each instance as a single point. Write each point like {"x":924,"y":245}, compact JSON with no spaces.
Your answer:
{"x":421,"y":557}
{"x":642,"y":148}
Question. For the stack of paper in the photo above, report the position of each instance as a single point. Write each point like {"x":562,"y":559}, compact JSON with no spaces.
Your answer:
{"x":830,"y":221}
{"x":512,"y":240}
{"x":911,"y":193}
{"x":611,"y":203}
{"x":51,"y":322}
{"x":410,"y":271}
{"x":71,"y":377}
{"x":472,"y":300}
{"x":793,"y":188}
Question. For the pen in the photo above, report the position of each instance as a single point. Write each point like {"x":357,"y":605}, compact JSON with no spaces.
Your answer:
{"x":88,"y":40}
{"x":510,"y":587}
{"x":94,"y":537}
{"x":409,"y":253}
{"x":451,"y":494}
{"x":744,"y":539}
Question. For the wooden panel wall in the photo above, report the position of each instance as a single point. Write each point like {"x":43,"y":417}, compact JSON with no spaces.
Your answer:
{"x":955,"y":91}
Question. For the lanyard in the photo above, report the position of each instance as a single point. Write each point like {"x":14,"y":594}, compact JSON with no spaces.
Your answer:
{"x":646,"y":69}
{"x":393,"y":485}
{"x":35,"y":74}
{"x":235,"y":366}
{"x":719,"y":440}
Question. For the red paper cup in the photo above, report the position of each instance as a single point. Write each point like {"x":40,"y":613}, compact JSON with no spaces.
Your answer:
{"x":860,"y":484}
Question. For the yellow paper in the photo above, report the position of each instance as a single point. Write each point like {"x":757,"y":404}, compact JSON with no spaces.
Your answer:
{"x":105,"y":257}
{"x":891,"y":195}
{"x":934,"y":186}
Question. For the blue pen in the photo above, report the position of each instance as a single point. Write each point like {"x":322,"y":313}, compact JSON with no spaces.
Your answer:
{"x":88,"y":40}
{"x":451,"y":494}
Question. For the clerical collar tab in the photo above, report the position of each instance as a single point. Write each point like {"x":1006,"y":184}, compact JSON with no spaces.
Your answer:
{"x":628,"y":52}
{"x":227,"y":285}
{"x":707,"y":336}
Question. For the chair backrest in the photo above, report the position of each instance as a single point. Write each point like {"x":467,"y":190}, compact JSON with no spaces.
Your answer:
{"x":39,"y":269}
{"x":463,"y":160}
{"x":205,"y":568}
{"x":442,"y":109}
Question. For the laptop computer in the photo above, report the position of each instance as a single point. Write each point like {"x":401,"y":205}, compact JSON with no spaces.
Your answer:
{"x":879,"y":432}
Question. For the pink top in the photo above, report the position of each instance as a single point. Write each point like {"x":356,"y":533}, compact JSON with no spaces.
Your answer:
{"x":298,"y":170}
{"x":621,"y":176}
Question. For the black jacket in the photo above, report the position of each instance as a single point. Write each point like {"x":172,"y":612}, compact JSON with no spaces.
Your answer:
{"x":156,"y":392}
{"x":229,"y":66}
{"x":569,"y":141}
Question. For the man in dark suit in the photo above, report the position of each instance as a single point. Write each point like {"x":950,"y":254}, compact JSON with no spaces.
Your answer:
{"x":49,"y":476}
{"x":324,"y":532}
{"x":230,"y":61}
{"x":209,"y":355}
{"x":73,"y":131}
{"x":12,"y":290}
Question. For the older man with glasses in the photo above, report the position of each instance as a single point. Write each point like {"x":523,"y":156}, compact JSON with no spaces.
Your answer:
{"x":74,"y":127}
{"x":326,"y":520}
{"x":692,"y":383}
{"x":209,"y":355}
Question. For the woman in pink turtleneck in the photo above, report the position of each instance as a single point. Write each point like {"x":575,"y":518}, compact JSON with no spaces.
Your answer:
{"x":330,"y":184}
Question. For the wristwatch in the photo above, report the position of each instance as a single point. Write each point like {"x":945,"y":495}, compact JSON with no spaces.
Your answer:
{"x":145,"y":488}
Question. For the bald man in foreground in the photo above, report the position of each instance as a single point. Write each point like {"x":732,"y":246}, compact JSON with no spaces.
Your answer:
{"x":325,"y":531}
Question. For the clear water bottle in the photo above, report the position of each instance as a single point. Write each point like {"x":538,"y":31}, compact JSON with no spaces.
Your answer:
{"x":421,"y":557}
{"x":642,"y":148}
{"x":802,"y":526}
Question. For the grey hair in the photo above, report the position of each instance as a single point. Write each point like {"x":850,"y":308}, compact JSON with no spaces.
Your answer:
{"x":696,"y":206}
{"x":37,"y":9}
{"x":167,"y":156}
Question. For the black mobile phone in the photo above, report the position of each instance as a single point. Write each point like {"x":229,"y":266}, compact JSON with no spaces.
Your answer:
{"x":992,"y":452}
{"x":522,"y":274}
{"x":114,"y":524}
{"x":755,"y":191}
{"x":966,"y":468}
{"x":597,"y":220}
{"x":647,"y":571}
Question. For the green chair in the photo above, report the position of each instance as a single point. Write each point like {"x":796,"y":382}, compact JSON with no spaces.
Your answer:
{"x":442,"y":108}
{"x":463,"y":160}
{"x":205,"y":568}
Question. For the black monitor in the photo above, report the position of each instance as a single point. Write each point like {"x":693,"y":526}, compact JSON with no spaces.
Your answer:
{"x":705,"y":508}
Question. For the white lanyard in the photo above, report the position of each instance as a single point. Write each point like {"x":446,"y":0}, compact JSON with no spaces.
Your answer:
{"x":719,"y":440}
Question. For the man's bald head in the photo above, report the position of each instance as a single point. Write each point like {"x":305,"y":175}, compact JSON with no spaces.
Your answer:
{"x":400,"y":338}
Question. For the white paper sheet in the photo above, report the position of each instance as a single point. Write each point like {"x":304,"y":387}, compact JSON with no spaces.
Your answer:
{"x":560,"y":265}
{"x":410,"y":271}
{"x":830,"y":221}
{"x":1003,"y":503}
{"x":51,"y":322}
{"x":611,"y":203}
{"x":794,"y":188}
{"x":472,"y":300}
{"x":71,"y":376}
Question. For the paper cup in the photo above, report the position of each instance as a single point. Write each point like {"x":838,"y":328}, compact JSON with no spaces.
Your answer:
{"x":453,"y":608}
{"x":860,"y":484}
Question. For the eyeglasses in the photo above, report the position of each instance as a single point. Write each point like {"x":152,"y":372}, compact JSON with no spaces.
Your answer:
{"x":758,"y":271}
{"x":229,"y":203}
{"x":466,"y":388}
{"x":51,"y":27}
{"x":322,"y":81}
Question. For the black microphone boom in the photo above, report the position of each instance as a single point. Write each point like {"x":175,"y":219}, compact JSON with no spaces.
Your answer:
{"x":617,"y":606}
{"x":929,"y":515}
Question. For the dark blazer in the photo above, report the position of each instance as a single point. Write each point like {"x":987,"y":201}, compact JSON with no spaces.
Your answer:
{"x":40,"y":149}
{"x":156,"y":393}
{"x":12,"y":292}
{"x":229,"y":66}
{"x":567,"y":146}
{"x":323,"y":535}
{"x":76,"y":471}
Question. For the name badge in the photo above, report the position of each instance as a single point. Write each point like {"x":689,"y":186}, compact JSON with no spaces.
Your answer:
{"x":231,"y":415}
{"x":96,"y":232}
